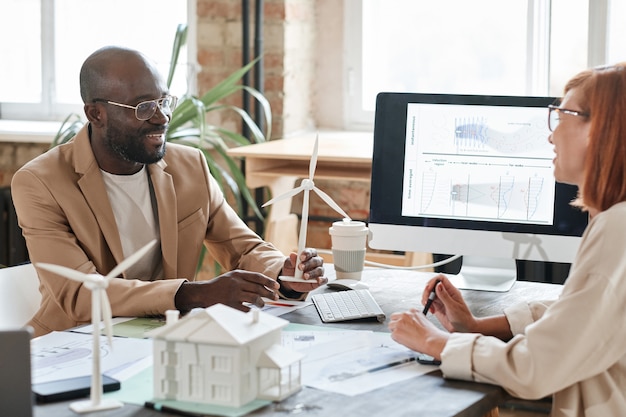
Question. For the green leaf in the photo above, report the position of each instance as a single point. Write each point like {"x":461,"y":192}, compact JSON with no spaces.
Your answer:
{"x":189,"y":126}
{"x":240,"y":180}
{"x":228,"y":86}
{"x":180,"y":38}
{"x":267,"y":111}
{"x":68,"y":129}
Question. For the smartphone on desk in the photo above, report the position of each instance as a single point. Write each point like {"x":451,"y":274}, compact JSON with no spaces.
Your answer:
{"x":425,"y":359}
{"x":68,"y":389}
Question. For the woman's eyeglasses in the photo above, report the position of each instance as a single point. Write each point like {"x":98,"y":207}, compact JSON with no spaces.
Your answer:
{"x":554,"y":115}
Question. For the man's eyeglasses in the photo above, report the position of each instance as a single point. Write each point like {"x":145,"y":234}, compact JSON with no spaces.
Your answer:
{"x":554,"y":115}
{"x":146,"y":109}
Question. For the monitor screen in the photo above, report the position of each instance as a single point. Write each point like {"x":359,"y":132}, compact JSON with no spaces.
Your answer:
{"x":469,"y":175}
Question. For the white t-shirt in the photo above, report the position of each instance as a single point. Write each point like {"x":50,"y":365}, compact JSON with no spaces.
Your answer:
{"x":137,"y":221}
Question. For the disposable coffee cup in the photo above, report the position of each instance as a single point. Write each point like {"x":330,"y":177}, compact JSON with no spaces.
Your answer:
{"x":349,"y":241}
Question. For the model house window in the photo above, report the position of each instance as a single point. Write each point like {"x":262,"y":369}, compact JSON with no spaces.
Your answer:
{"x":222,"y":364}
{"x":222,"y":393}
{"x":473,"y":47}
{"x":46,"y":41}
{"x":169,"y":358}
{"x":269,"y":378}
{"x":196,"y":381}
{"x":169,"y":387}
{"x":290,"y":375}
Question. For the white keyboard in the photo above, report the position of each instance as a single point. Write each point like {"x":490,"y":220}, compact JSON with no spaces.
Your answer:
{"x":347,"y":305}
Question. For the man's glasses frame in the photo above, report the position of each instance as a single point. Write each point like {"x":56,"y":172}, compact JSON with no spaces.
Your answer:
{"x":553,"y":115}
{"x":146,"y":109}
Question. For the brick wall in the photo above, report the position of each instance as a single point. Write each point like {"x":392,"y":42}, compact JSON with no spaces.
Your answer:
{"x":288,"y":47}
{"x":291,"y":58}
{"x":14,"y":155}
{"x":352,"y":197}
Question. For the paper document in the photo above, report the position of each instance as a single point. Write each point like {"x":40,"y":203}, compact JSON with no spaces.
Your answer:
{"x":127,"y":326}
{"x":61,"y":355}
{"x":353,"y":362}
{"x":280,"y":307}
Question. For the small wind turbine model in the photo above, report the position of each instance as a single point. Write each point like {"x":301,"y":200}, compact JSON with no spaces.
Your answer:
{"x":100,"y":308}
{"x":307,"y":185}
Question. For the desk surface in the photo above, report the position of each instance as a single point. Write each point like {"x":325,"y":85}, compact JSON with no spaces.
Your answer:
{"x":432,"y":395}
{"x":333,"y":146}
{"x":344,"y":155}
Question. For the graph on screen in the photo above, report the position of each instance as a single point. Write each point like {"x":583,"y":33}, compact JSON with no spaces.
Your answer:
{"x":478,"y":163}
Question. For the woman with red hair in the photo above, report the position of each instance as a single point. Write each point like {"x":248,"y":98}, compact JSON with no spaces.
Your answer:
{"x":573,"y":348}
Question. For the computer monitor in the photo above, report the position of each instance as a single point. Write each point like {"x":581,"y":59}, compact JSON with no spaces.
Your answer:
{"x":470,"y":175}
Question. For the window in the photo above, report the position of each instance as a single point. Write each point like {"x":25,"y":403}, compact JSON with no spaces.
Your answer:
{"x":195,"y":386}
{"x":51,"y":39}
{"x":221,"y":393}
{"x":473,"y":47}
{"x":616,"y":37}
{"x":169,"y":358}
{"x":222,"y":363}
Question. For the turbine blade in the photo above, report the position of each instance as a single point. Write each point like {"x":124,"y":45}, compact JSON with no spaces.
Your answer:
{"x":313,"y":162}
{"x":130,"y":261}
{"x":66,"y":272}
{"x":330,"y":202}
{"x":288,"y":194}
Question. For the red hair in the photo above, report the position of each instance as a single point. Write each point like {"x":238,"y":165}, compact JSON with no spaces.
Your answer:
{"x":602,"y":94}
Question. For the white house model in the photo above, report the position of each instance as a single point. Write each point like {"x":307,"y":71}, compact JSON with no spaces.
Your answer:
{"x":223,"y":356}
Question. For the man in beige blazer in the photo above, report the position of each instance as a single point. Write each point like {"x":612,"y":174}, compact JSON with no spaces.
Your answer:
{"x":117,"y":185}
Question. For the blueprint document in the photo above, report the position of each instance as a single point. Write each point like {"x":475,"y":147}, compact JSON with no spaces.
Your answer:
{"x":61,"y":355}
{"x":352,"y":362}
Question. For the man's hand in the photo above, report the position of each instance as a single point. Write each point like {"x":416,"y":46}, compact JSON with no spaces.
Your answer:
{"x":232,"y":289}
{"x":312,"y":269}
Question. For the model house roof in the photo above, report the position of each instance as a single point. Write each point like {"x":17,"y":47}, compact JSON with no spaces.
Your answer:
{"x":278,"y":356}
{"x":220,"y":324}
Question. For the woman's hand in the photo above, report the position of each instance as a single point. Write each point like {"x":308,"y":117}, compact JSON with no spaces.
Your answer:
{"x":449,"y":306}
{"x":450,"y":309}
{"x":413,"y":330}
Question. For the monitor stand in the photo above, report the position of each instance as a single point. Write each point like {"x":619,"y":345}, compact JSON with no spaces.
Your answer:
{"x":485,"y":274}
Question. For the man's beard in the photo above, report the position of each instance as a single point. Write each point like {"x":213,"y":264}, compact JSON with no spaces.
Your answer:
{"x":132,"y":148}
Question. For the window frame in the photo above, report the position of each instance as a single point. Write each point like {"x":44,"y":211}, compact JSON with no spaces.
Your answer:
{"x":48,"y":109}
{"x":538,"y":51}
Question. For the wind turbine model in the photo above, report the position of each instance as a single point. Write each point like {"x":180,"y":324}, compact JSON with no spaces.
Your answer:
{"x":100,"y":308}
{"x":306,"y":185}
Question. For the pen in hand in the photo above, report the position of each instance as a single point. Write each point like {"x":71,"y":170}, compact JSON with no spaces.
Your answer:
{"x":431,"y":298}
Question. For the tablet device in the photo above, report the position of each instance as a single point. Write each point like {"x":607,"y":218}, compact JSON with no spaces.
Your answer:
{"x":67,"y":389}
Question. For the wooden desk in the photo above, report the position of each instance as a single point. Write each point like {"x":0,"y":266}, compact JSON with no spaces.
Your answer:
{"x":428,"y":395}
{"x":279,"y":163}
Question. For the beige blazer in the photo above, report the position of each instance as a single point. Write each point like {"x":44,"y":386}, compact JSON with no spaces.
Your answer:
{"x":64,"y":211}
